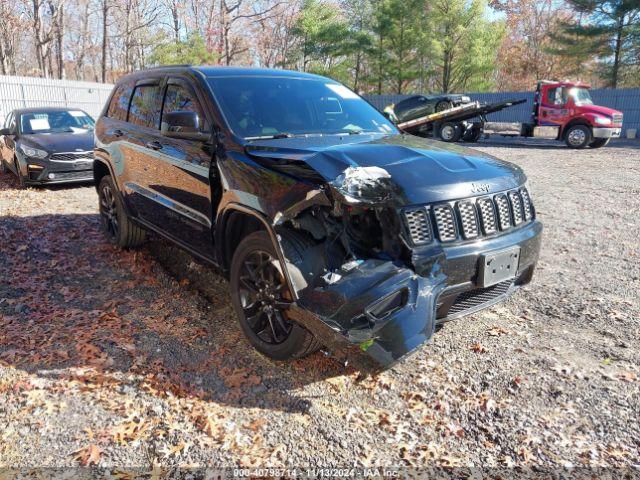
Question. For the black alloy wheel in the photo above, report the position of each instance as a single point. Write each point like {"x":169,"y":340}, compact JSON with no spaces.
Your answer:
{"x":261,"y":298}
{"x":109,"y":211}
{"x":261,"y":291}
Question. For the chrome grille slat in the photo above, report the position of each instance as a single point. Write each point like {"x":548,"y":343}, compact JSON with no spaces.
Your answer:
{"x":504,"y":216}
{"x":516,"y":207}
{"x":446,"y":223}
{"x":488,"y":215}
{"x":468,"y":219}
{"x":617,"y":118}
{"x":419,"y":225}
{"x":526,"y":204}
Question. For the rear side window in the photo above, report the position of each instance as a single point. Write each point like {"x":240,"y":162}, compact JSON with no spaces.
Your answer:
{"x":120,"y":102}
{"x":145,"y":106}
{"x":179,"y":99}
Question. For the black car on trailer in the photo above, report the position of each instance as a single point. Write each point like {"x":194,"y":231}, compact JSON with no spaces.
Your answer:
{"x":333,"y":227}
{"x":48,"y":145}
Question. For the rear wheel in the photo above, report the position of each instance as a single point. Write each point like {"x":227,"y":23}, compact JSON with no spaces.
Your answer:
{"x":260,"y":298}
{"x":472,"y":134}
{"x":599,"y":142}
{"x":116,"y":224}
{"x":443,"y":105}
{"x":450,"y":132}
{"x":578,"y":136}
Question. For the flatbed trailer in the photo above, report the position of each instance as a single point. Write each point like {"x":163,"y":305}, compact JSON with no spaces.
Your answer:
{"x":465,"y":122}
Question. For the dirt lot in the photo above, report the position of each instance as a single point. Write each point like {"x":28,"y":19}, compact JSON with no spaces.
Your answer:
{"x":106,"y":358}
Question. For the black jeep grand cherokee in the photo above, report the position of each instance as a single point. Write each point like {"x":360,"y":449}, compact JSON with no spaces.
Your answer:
{"x":333,"y":227}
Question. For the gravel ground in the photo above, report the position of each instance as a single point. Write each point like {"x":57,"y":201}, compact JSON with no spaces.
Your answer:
{"x":135,"y":359}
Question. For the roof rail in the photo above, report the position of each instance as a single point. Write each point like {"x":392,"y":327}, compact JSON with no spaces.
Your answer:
{"x":169,"y":66}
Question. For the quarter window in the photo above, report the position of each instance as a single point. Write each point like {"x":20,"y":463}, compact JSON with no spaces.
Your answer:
{"x":180,"y":99}
{"x":145,"y":106}
{"x":120,"y":102}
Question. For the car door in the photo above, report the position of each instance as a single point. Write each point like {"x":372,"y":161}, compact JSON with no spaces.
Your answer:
{"x":180,"y":171}
{"x":553,"y":108}
{"x":138,"y":149}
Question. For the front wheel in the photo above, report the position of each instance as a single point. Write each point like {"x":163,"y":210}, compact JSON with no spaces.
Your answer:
{"x":116,"y":225}
{"x":443,"y":105}
{"x":599,"y":142}
{"x":578,"y":136}
{"x":260,"y":297}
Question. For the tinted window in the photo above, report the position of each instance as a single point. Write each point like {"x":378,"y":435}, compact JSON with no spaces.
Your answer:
{"x":120,"y":102}
{"x":266,"y":106}
{"x":56,"y":121}
{"x":556,"y":96}
{"x":145,"y":106}
{"x":180,"y":99}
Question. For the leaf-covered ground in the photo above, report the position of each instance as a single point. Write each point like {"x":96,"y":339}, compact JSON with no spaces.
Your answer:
{"x":108,"y":359}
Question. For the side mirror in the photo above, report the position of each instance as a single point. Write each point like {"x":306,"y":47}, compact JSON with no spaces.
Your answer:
{"x":7,"y":131}
{"x":182,"y":124}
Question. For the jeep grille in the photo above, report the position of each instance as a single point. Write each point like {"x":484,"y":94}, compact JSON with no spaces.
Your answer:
{"x":470,"y":218}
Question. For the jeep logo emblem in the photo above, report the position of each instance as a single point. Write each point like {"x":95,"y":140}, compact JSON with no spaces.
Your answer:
{"x":480,"y":188}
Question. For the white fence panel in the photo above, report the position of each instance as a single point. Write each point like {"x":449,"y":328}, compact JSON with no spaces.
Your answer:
{"x":25,"y":92}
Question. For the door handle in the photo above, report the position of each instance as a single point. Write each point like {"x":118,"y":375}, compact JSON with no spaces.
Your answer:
{"x":154,"y":145}
{"x":117,"y":133}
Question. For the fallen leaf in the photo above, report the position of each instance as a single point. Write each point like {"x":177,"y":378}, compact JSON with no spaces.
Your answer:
{"x":89,"y":455}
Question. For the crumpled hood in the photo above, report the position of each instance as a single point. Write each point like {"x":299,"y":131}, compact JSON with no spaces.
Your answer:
{"x":422,"y":170}
{"x":60,"y":142}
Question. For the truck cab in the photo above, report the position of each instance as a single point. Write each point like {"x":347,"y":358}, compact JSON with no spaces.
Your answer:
{"x":566,"y":111}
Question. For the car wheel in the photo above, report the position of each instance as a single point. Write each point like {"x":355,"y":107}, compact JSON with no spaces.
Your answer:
{"x":19,"y":176}
{"x":116,"y":224}
{"x":599,"y":142}
{"x":472,"y":134}
{"x":260,"y":295}
{"x":450,"y":132}
{"x":578,"y":136}
{"x":443,"y":105}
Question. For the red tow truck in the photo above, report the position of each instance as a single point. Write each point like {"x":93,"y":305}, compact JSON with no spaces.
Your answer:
{"x":561,"y":110}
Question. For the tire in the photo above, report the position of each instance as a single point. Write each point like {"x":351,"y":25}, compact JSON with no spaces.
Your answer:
{"x":450,"y":132}
{"x":472,"y":134}
{"x":599,"y":142}
{"x":257,"y":285}
{"x":3,"y":167}
{"x":21,"y":182}
{"x":116,"y":224}
{"x":578,"y":136}
{"x":443,"y":105}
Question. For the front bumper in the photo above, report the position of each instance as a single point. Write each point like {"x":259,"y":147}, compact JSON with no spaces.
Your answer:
{"x":54,"y":172}
{"x":388,"y":309}
{"x":602,"y":132}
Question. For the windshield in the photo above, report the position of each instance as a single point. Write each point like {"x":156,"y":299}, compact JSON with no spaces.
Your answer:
{"x":56,"y":121}
{"x":266,"y":107}
{"x":581,"y":96}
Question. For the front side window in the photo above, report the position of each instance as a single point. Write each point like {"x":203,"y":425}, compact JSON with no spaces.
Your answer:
{"x":56,"y":121}
{"x":144,"y":109}
{"x":120,"y":102}
{"x":556,"y":96}
{"x":257,"y":107}
{"x":180,"y":99}
{"x":581,"y":96}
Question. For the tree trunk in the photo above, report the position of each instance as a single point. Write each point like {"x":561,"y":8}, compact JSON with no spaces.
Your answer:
{"x":105,"y":39}
{"x":616,"y":53}
{"x":60,"y":42}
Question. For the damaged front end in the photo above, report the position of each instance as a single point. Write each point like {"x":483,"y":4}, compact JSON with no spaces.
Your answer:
{"x":351,"y":270}
{"x":361,"y":272}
